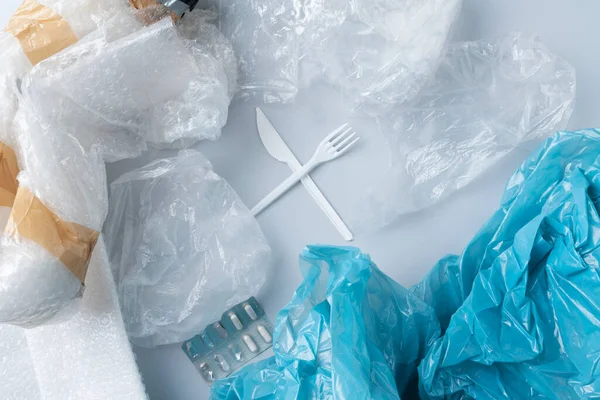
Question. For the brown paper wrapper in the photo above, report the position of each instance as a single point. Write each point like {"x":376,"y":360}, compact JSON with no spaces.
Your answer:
{"x":151,"y":11}
{"x":69,"y":242}
{"x":9,"y":169}
{"x":41,"y":31}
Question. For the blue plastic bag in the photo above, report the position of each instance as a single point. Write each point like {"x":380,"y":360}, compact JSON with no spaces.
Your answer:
{"x":350,"y":332}
{"x":520,"y":309}
{"x":516,"y":316}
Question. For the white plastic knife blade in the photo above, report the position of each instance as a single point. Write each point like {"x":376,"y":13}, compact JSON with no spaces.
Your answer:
{"x":277,"y":148}
{"x":271,"y":139}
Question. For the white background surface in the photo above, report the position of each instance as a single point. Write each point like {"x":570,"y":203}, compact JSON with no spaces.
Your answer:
{"x":408,"y":249}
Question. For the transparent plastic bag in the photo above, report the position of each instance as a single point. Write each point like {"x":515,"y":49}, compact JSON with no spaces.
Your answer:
{"x":264,"y":38}
{"x":199,"y":27}
{"x":376,"y":53}
{"x":183,"y":248}
{"x":486,"y":100}
{"x":113,"y":92}
{"x":519,"y":307}
{"x":350,"y":332}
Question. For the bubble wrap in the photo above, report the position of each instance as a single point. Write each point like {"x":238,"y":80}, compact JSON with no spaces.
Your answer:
{"x":35,"y":286}
{"x":183,"y":248}
{"x":17,"y":372}
{"x":87,"y":358}
{"x":376,"y":53}
{"x":84,"y":16}
{"x":486,"y":100}
{"x":112,"y":91}
{"x":13,"y":67}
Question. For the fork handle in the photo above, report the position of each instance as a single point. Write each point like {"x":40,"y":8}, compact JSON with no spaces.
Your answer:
{"x":284,"y":187}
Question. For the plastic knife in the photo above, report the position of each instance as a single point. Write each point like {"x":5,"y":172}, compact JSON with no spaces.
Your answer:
{"x":277,"y":148}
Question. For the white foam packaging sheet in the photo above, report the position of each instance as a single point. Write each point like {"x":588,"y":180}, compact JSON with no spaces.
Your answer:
{"x":183,"y":248}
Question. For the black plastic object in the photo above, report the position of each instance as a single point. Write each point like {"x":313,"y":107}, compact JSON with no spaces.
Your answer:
{"x":180,"y":7}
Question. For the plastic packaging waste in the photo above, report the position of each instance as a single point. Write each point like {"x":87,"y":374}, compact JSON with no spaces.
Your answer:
{"x":108,"y":89}
{"x":486,"y":100}
{"x":183,"y":247}
{"x":519,"y":306}
{"x":199,"y":27}
{"x":349,"y":332}
{"x":517,"y":311}
{"x":52,"y":214}
{"x":376,"y":53}
{"x":264,"y":39}
{"x":57,"y":361}
{"x":243,"y":333}
{"x":39,"y":29}
{"x":53,"y":224}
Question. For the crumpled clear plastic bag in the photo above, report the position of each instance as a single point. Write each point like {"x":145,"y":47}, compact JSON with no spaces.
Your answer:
{"x":377,"y":53}
{"x":486,"y":100}
{"x":199,"y":28}
{"x":183,"y":248}
{"x":123,"y":87}
{"x":350,"y":332}
{"x":519,"y":307}
{"x":35,"y":286}
{"x":264,"y":38}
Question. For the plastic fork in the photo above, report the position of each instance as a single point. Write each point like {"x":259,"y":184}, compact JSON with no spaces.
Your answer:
{"x":336,"y":144}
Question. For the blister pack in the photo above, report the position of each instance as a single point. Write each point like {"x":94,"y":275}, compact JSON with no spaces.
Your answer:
{"x":243,"y":333}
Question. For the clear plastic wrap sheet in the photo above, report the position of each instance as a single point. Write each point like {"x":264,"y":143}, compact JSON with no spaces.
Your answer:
{"x":35,"y":286}
{"x":519,"y":307}
{"x":112,"y":92}
{"x":183,"y":248}
{"x":264,"y":38}
{"x":350,"y":332}
{"x":376,"y":53}
{"x":199,"y":27}
{"x":486,"y":100}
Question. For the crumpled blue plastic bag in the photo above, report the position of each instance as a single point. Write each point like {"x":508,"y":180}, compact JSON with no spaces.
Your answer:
{"x":350,"y":332}
{"x":516,"y":316}
{"x":520,"y":309}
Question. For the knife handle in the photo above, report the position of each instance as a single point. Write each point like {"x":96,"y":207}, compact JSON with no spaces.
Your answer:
{"x":327,"y":208}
